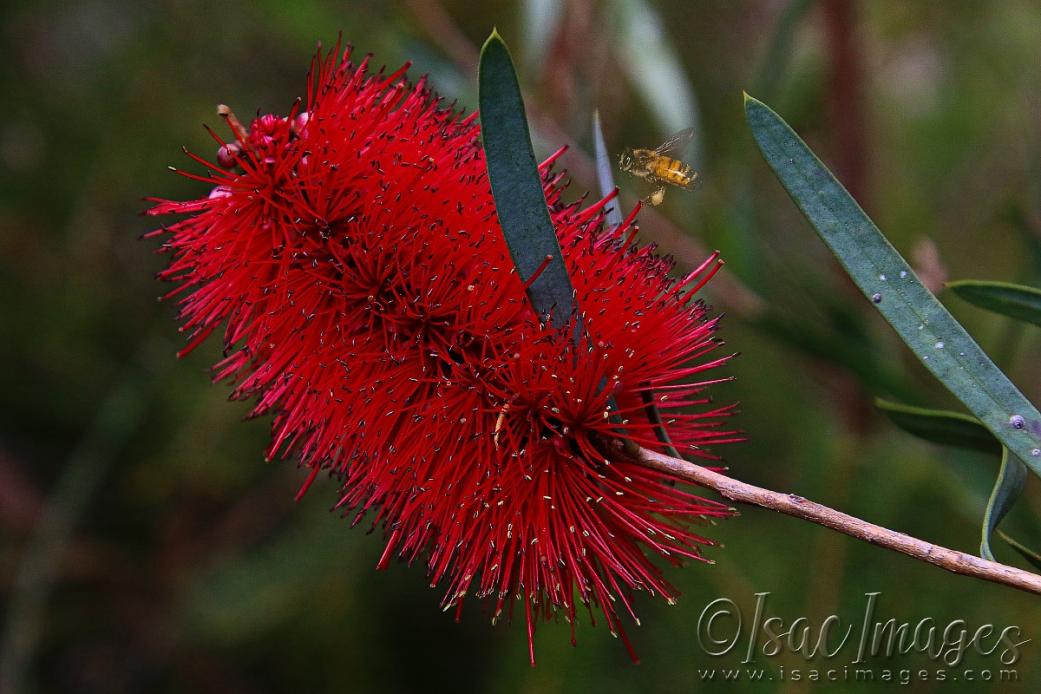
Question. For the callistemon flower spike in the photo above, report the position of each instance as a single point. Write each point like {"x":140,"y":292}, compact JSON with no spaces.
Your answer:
{"x":353,"y":258}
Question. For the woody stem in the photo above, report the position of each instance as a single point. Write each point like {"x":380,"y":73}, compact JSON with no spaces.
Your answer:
{"x":794,"y":505}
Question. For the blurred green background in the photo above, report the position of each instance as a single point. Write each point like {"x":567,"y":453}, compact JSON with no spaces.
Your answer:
{"x":146,"y":546}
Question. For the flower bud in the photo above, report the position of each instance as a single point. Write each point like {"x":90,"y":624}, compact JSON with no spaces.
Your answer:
{"x":228,"y":154}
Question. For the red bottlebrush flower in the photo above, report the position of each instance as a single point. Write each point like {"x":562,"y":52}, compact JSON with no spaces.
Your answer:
{"x":352,"y":251}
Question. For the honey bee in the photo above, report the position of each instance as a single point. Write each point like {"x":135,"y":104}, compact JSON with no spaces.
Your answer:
{"x":658,"y":167}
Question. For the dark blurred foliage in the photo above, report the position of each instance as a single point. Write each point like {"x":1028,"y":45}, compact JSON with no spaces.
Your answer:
{"x":174,"y":558}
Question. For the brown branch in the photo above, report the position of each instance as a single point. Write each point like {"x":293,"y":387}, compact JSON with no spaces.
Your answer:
{"x":797,"y":506}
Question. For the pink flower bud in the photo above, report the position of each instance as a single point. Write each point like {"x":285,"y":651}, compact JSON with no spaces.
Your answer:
{"x":227,"y":155}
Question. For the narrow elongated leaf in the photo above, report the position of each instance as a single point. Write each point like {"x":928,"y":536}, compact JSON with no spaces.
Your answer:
{"x":517,"y":185}
{"x":962,"y":431}
{"x":1011,"y":479}
{"x":941,"y":426}
{"x":1030,"y":555}
{"x":886,"y":279}
{"x":1013,"y":300}
{"x":605,"y":173}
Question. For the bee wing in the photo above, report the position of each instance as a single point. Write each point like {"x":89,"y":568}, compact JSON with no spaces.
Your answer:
{"x":677,"y":142}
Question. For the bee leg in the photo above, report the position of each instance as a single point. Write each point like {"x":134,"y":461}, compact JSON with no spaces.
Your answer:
{"x":655,"y":197}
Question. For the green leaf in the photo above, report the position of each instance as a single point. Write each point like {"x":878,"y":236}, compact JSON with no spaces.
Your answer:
{"x":1007,"y":488}
{"x":962,"y":431}
{"x":941,"y":426}
{"x":1012,"y":300}
{"x":1030,"y":555}
{"x":886,"y":279}
{"x":517,"y":185}
{"x":605,"y":173}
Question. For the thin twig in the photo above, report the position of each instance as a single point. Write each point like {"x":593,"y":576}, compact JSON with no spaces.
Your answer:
{"x":797,"y":506}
